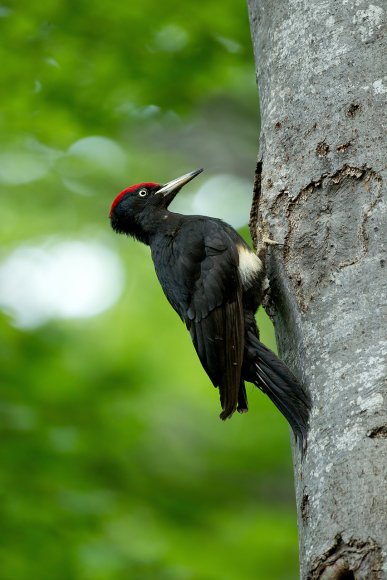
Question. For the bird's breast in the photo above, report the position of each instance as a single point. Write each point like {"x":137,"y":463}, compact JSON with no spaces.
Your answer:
{"x":250,"y":266}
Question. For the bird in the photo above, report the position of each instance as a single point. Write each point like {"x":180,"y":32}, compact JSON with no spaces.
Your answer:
{"x":215,"y":282}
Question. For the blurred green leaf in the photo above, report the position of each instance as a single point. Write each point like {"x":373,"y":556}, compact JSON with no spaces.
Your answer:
{"x":114,"y":464}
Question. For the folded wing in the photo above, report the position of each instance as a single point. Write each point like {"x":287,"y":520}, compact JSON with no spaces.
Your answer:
{"x":215,"y":318}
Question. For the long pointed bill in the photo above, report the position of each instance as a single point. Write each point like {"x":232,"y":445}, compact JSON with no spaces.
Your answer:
{"x":170,"y":189}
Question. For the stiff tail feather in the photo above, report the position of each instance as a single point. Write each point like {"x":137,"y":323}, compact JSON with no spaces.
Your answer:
{"x":275,"y":379}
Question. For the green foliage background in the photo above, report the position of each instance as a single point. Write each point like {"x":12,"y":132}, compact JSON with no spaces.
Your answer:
{"x":114,"y":464}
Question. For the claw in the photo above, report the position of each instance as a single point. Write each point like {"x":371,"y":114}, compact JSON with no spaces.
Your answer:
{"x":269,"y":242}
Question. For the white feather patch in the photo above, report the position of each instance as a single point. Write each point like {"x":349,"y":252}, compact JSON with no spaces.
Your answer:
{"x":249,"y":264}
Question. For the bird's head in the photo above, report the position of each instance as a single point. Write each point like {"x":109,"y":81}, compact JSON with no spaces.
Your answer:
{"x":138,"y":209}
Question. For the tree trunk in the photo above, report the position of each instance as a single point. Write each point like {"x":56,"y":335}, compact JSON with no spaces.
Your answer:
{"x":319,"y":191}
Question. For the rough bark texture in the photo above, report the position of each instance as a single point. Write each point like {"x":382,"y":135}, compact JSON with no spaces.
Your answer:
{"x":319,"y":190}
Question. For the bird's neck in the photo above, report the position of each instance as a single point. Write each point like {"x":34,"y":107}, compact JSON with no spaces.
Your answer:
{"x":146,"y":228}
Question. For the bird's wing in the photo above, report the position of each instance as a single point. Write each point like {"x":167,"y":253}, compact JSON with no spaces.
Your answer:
{"x":215,"y":317}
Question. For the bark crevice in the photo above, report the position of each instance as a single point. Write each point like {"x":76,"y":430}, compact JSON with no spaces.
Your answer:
{"x":336,"y":237}
{"x":378,"y":432}
{"x":254,"y":212}
{"x":358,"y":559}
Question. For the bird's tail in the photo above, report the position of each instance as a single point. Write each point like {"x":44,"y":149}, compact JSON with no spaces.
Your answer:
{"x":274,"y":378}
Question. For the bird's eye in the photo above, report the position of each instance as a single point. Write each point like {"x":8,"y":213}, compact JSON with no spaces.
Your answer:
{"x":143,"y":192}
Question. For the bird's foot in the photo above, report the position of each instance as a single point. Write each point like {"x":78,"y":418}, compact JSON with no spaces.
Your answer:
{"x":264,"y":243}
{"x":269,"y":242}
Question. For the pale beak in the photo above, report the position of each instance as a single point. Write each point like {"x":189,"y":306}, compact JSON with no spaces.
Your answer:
{"x":170,"y":189}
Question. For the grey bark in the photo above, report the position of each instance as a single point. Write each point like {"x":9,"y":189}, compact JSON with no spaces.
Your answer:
{"x":319,"y":190}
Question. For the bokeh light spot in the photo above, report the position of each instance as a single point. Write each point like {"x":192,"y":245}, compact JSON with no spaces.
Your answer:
{"x":67,"y":279}
{"x":18,"y":167}
{"x":92,"y":155}
{"x":171,"y":38}
{"x":225,"y":196}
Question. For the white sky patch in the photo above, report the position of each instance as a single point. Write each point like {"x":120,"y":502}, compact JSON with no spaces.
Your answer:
{"x":56,"y":280}
{"x":224,"y":196}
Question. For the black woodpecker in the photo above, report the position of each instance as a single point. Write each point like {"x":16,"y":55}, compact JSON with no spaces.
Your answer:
{"x":215,"y":283}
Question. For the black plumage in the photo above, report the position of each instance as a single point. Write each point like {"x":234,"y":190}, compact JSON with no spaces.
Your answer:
{"x":214,"y":282}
